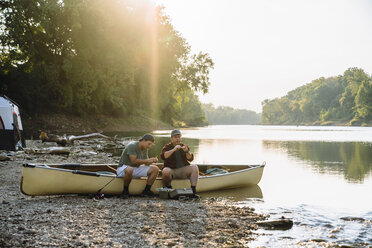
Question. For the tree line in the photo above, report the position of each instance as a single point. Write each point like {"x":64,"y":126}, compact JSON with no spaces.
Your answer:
{"x":114,"y":57}
{"x":343,"y":99}
{"x":224,"y":115}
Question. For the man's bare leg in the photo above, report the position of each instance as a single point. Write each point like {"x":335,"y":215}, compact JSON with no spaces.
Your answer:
{"x":167,"y":176}
{"x":128,"y":172}
{"x":194,"y":174}
{"x":152,"y":173}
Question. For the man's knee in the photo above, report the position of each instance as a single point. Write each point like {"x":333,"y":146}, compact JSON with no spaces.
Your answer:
{"x":194,"y":168}
{"x":128,"y":171}
{"x":154,"y":169}
{"x":167,"y":172}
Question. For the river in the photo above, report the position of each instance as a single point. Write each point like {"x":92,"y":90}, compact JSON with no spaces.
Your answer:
{"x":317,"y":176}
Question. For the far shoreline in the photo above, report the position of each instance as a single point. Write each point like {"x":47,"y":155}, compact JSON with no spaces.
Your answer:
{"x":72,"y":124}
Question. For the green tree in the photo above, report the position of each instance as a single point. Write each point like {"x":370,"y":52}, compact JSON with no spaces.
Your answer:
{"x":343,"y":98}
{"x":114,"y":57}
{"x":363,"y":101}
{"x":224,"y":115}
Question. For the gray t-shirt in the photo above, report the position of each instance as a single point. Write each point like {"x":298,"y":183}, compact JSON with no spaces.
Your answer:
{"x":132,"y":149}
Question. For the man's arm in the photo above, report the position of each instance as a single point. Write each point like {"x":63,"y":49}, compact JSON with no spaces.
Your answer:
{"x":189,"y":155}
{"x":169,"y":153}
{"x":136,"y":161}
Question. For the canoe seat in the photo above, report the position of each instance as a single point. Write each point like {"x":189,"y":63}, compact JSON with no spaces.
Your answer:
{"x":216,"y":171}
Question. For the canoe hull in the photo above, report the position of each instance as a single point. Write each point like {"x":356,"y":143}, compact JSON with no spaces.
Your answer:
{"x":41,"y":180}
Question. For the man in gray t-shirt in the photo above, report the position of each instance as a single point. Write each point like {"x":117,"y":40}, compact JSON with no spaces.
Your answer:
{"x":133,"y":148}
{"x":135,"y":163}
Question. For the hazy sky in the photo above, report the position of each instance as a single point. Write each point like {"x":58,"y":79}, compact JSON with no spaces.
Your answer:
{"x":265,"y":48}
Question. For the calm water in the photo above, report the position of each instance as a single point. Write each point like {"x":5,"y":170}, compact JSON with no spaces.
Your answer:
{"x":314,"y":175}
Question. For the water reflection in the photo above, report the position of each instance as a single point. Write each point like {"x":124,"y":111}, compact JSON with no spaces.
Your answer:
{"x":353,"y":159}
{"x":238,"y":194}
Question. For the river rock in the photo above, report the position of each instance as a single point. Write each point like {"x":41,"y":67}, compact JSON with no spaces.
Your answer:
{"x":281,"y":224}
{"x":4,"y":157}
{"x":353,"y":219}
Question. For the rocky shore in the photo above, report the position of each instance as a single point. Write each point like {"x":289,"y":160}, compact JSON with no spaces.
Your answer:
{"x":79,"y":221}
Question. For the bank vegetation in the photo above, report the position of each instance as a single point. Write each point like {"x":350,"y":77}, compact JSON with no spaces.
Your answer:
{"x":340,"y":100}
{"x":116,"y":58}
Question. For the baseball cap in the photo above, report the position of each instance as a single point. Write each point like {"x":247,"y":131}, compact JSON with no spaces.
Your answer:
{"x":147,"y":137}
{"x":175,"y":132}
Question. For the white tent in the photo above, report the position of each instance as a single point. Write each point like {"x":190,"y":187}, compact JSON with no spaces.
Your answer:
{"x":11,"y":129}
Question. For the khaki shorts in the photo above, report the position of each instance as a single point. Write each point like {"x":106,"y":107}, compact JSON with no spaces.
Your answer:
{"x":180,"y":173}
{"x":138,"y":172}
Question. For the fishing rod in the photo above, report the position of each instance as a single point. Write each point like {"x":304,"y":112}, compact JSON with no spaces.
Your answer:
{"x":98,"y":194}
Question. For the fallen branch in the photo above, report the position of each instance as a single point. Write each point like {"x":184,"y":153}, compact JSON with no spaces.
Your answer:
{"x":63,"y":140}
{"x":49,"y":150}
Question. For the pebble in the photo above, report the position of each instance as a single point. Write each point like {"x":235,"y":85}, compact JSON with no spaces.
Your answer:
{"x":4,"y":157}
{"x":353,"y":219}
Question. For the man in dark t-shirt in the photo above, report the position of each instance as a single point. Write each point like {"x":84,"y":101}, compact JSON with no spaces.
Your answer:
{"x":177,"y":157}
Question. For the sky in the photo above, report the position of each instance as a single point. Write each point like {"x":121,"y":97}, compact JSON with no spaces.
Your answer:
{"x":264,"y":48}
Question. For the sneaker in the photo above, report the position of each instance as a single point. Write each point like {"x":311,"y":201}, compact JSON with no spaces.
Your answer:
{"x":124,"y":196}
{"x":148,"y":193}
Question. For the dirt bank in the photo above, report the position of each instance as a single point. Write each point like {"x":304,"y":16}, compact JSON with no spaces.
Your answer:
{"x":60,"y":123}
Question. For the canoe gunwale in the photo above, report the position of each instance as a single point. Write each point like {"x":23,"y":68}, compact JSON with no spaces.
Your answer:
{"x":233,"y":172}
{"x":81,"y":172}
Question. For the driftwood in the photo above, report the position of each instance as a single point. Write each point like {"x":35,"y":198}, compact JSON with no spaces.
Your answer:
{"x":63,"y":140}
{"x":49,"y":150}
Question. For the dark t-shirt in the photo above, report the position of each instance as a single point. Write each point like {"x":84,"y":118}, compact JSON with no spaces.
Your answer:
{"x":179,"y":161}
{"x":171,"y":161}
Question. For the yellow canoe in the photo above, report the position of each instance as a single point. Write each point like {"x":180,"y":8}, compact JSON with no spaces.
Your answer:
{"x":53,"y":179}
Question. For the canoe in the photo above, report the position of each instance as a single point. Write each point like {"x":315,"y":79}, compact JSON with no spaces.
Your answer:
{"x":54,"y":179}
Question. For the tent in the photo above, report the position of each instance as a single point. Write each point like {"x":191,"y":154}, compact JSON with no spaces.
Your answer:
{"x":11,"y":130}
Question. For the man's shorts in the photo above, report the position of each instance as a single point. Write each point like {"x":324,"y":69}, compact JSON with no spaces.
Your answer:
{"x":138,"y":172}
{"x":181,"y":173}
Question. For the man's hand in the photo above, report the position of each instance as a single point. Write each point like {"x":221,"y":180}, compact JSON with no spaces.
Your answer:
{"x":177,"y":147}
{"x":185,"y":148}
{"x":152,"y":160}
